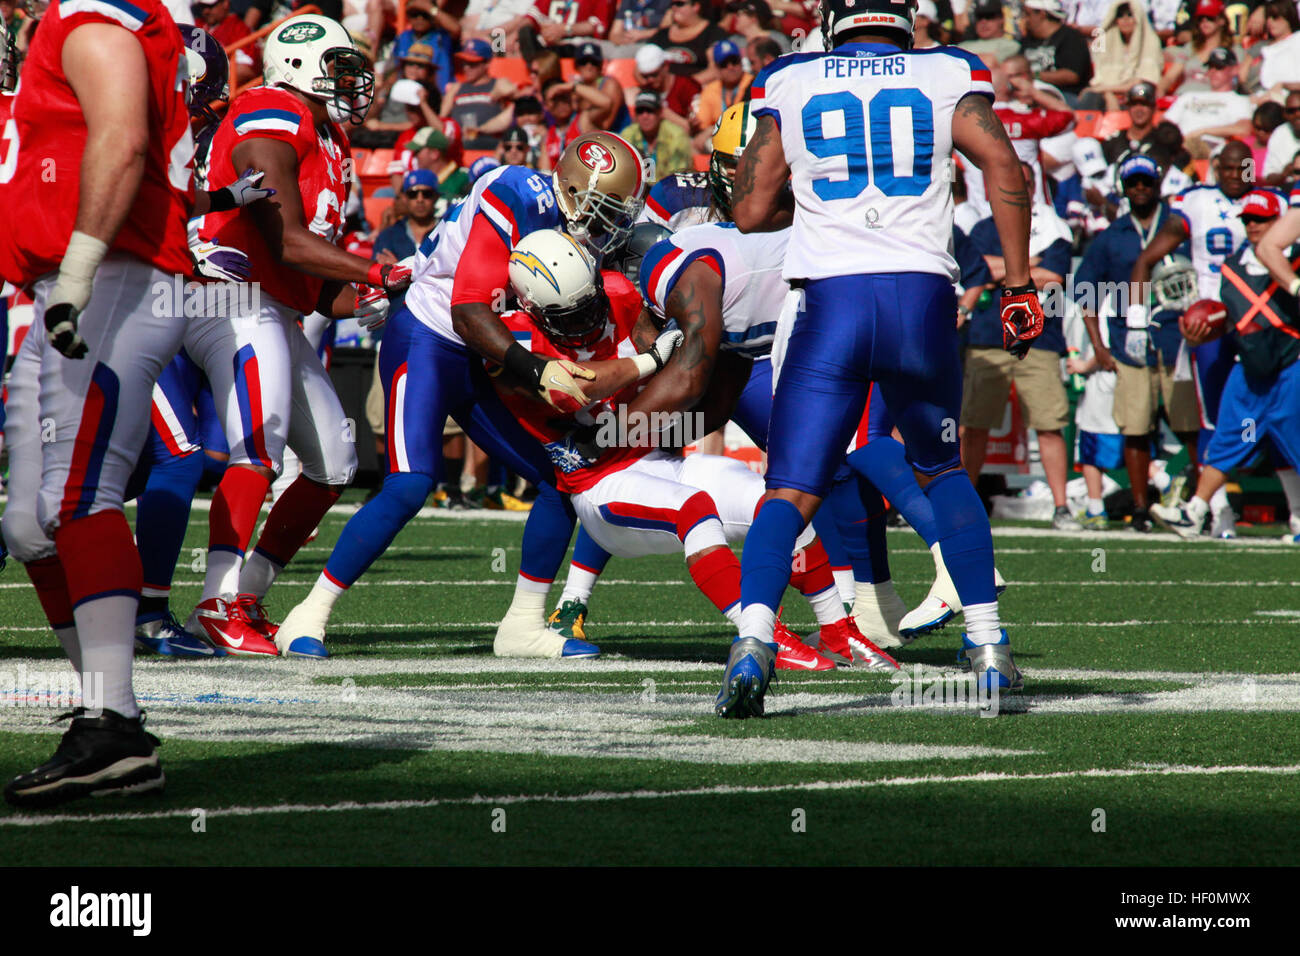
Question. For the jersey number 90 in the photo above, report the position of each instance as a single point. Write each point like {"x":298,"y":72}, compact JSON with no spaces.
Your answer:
{"x":870,"y":124}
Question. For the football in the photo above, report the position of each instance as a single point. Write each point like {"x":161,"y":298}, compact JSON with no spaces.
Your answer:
{"x":1206,"y":310}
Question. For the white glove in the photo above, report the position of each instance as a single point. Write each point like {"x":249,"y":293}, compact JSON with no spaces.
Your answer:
{"x":372,"y":307}
{"x":225,"y":263}
{"x":1135,"y":345}
{"x":242,"y":192}
{"x":1137,"y":317}
{"x":657,"y":356}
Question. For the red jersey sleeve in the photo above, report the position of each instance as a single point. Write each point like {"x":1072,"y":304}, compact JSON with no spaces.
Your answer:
{"x":484,"y":268}
{"x":257,"y":115}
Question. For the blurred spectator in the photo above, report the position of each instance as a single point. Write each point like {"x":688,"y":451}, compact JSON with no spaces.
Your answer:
{"x":435,"y":27}
{"x":392,"y":112}
{"x":475,"y":99}
{"x":1284,"y":142}
{"x":686,"y":41}
{"x":495,"y":20}
{"x":753,"y":21}
{"x":1087,"y":15}
{"x":677,"y":92}
{"x":226,"y":28}
{"x":432,"y":151}
{"x":760,"y":53}
{"x":563,"y":123}
{"x":1141,"y":105}
{"x":1190,"y":70}
{"x":515,"y":148}
{"x":636,"y":21}
{"x":1167,"y":149}
{"x":1268,"y":117}
{"x":1275,"y":64}
{"x":1128,"y":52}
{"x":796,"y":18}
{"x":1207,"y":117}
{"x":560,"y":24}
{"x":528,"y":115}
{"x":987,"y":34}
{"x":600,"y":98}
{"x":403,"y":238}
{"x":1144,"y":364}
{"x":1165,"y":15}
{"x":731,"y":86}
{"x":254,"y":13}
{"x":926,"y":31}
{"x":1057,"y":54}
{"x":990,"y":370}
{"x":666,"y":146}
{"x":481,"y":167}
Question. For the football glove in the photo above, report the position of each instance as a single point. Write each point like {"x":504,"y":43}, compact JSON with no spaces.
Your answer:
{"x":393,"y":277}
{"x":1022,"y":318}
{"x":657,"y":356}
{"x":241,"y":192}
{"x":71,"y":292}
{"x":225,"y":263}
{"x":372,"y":307}
{"x":555,"y":381}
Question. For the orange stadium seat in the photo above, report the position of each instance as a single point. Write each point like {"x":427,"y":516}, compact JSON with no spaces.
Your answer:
{"x":1202,"y":167}
{"x":623,"y":70}
{"x":512,"y":68}
{"x":376,"y":163}
{"x":1085,"y":121}
{"x":375,"y":210}
{"x":1111,"y":123}
{"x":568,"y":69}
{"x":474,"y":155}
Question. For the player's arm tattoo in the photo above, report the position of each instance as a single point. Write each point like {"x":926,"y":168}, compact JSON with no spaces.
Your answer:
{"x":761,"y":199}
{"x":977,"y":109}
{"x":646,"y":330}
{"x":686,"y":305}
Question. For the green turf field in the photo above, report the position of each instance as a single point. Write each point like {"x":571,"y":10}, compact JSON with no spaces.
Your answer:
{"x":1160,"y":723}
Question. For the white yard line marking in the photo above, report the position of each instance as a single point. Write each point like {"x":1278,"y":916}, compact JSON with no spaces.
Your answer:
{"x":725,"y":790}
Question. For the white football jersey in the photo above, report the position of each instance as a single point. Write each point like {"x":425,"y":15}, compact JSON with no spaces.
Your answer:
{"x":753,"y":291}
{"x":867,"y":131}
{"x":1213,"y":222}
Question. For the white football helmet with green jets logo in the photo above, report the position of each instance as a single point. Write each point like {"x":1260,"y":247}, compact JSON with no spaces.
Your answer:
{"x":316,"y":56}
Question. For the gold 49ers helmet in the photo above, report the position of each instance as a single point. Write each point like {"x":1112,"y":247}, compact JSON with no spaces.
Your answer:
{"x":600,"y":186}
{"x":734,"y":131}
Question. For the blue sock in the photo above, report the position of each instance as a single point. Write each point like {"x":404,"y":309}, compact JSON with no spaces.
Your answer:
{"x":765,"y":562}
{"x":546,"y":534}
{"x":588,"y":553}
{"x":828,"y":532}
{"x":497,"y":475}
{"x":860,"y":516}
{"x":371,"y":530}
{"x":964,"y":536}
{"x":163,"y":512}
{"x":883,"y":462}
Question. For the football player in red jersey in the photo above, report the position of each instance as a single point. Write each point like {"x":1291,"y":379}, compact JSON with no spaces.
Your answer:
{"x":269,"y":385}
{"x":96,"y":187}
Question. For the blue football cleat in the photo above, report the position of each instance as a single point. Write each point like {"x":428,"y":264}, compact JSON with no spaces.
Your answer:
{"x":164,"y":635}
{"x":305,"y":647}
{"x":576,"y":648}
{"x":751,"y":666}
{"x":992,"y":664}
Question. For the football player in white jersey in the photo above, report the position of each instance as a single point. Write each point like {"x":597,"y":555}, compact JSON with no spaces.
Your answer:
{"x":852,"y":149}
{"x":1209,"y":218}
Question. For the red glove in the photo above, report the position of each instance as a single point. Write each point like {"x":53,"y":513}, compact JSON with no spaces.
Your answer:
{"x":391,"y":277}
{"x":1022,"y":318}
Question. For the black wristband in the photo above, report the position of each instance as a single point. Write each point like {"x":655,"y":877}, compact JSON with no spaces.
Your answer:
{"x":524,"y":364}
{"x":221,"y":200}
{"x":1020,"y":289}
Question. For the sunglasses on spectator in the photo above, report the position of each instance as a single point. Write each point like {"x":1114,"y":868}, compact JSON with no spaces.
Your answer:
{"x":420,"y":194}
{"x":730,"y":61}
{"x":1255,"y":220}
{"x":516,"y":147}
{"x":990,"y":16}
{"x":588,"y":61}
{"x":1291,"y":110}
{"x":411,"y":14}
{"x":647,"y":109}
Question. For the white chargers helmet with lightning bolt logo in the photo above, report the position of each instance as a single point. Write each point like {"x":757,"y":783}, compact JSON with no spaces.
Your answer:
{"x":316,"y":56}
{"x":600,"y":186}
{"x":558,"y":284}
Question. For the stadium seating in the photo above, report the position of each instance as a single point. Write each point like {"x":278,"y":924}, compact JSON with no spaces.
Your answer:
{"x":512,"y":68}
{"x":375,"y":207}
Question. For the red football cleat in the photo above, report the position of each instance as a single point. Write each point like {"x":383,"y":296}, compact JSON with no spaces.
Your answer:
{"x":251,"y":607}
{"x":227,"y":625}
{"x":795,"y":655}
{"x":843,"y":639}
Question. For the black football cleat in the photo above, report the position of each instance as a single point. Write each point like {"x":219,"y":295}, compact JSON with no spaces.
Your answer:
{"x":97,"y":756}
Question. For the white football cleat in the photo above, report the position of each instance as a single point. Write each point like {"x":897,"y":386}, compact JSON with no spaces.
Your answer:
{"x":1224,"y":524}
{"x":302,"y":633}
{"x":520,"y":635}
{"x":942,"y":604}
{"x":877,"y":613}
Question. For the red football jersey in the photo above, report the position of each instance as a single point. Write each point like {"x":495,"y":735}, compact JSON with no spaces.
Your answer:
{"x":41,"y":166}
{"x":542,"y":421}
{"x":323,"y":182}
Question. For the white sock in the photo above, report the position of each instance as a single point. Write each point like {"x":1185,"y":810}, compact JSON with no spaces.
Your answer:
{"x":529,"y":599}
{"x":1094,"y":506}
{"x":106,"y":635}
{"x":1290,"y":479}
{"x":733,"y":615}
{"x":579,"y":584}
{"x":1219,"y":500}
{"x":258,"y":574}
{"x":758,"y":621}
{"x":1197,"y":508}
{"x":982,"y":625}
{"x":222,"y":578}
{"x":71,"y":646}
{"x":827,"y":606}
{"x":844,"y":583}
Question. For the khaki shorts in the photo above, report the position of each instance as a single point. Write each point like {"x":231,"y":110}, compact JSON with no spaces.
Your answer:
{"x":989,"y":374}
{"x":375,"y":403}
{"x":1138,"y":393}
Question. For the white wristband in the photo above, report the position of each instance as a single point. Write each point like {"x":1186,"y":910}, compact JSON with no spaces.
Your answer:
{"x":1294,"y":287}
{"x":77,"y":270}
{"x":645,"y":365}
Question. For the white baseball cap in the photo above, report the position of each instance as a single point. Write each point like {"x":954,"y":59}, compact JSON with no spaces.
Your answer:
{"x":650,"y":58}
{"x":1052,"y":8}
{"x":927,"y":9}
{"x":406,"y":92}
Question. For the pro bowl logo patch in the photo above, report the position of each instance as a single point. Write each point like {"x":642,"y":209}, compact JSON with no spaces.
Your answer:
{"x":301,"y":33}
{"x":597,"y":157}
